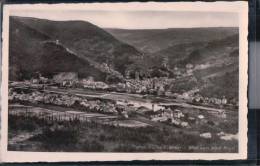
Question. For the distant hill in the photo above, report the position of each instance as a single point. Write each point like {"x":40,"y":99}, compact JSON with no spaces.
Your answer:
{"x":154,"y":40}
{"x":199,"y":52}
{"x":49,"y":47}
{"x":52,"y":46}
{"x":213,"y":52}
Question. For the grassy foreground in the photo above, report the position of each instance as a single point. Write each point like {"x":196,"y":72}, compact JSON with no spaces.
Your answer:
{"x":76,"y":136}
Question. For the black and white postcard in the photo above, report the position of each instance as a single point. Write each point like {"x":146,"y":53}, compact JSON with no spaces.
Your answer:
{"x":124,"y":81}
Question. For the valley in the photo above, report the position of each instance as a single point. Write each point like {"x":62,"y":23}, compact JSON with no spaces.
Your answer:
{"x":75,"y":86}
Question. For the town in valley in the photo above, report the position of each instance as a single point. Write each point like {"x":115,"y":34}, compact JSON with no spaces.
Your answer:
{"x":115,"y":91}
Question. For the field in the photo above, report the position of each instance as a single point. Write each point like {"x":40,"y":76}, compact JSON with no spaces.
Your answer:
{"x":135,"y":134}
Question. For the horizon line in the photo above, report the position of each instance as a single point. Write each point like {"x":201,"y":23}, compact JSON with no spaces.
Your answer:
{"x":126,"y":28}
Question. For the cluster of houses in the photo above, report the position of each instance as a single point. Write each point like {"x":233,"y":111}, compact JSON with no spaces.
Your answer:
{"x":63,"y":100}
{"x":38,"y":97}
{"x":91,"y":84}
{"x":179,"y":119}
{"x":71,"y":101}
{"x":70,"y":79}
{"x":148,"y":86}
{"x":165,"y":114}
{"x":158,"y":86}
{"x":97,"y":105}
{"x":218,"y":101}
{"x":175,"y":117}
{"x":194,"y":97}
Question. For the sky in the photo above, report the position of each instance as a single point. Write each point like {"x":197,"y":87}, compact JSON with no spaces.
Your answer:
{"x":140,"y":19}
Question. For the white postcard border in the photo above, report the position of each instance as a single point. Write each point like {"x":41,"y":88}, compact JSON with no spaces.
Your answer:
{"x":240,"y":7}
